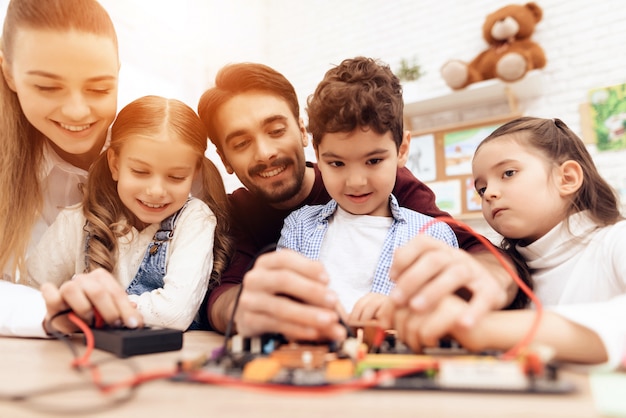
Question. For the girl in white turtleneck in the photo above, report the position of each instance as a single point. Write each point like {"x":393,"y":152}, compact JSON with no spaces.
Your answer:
{"x":541,"y":191}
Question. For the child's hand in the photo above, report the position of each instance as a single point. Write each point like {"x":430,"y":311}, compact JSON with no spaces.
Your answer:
{"x":424,"y":329}
{"x":86,"y":292}
{"x":426,"y":271}
{"x":368,"y":307}
{"x":419,"y":330}
{"x":386,"y":314}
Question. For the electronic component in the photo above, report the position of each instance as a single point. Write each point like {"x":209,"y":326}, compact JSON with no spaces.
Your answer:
{"x":371,"y":351}
{"x":126,"y":342}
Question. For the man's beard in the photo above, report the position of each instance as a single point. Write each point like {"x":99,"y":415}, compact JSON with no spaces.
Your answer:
{"x":283,"y":190}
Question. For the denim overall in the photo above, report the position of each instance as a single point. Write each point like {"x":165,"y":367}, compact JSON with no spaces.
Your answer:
{"x":154,"y":264}
{"x":153,"y":267}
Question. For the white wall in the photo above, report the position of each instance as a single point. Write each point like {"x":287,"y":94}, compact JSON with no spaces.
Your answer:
{"x":169,"y":47}
{"x":583,"y":41}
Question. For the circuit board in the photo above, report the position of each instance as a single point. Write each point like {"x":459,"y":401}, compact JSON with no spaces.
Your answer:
{"x":372,"y":359}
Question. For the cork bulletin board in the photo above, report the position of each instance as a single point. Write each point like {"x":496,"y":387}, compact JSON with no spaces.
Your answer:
{"x":443,"y":160}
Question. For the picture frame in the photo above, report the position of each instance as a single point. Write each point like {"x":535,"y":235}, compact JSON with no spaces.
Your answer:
{"x":422,"y":160}
{"x":472,"y":199}
{"x":607,"y":107}
{"x":448,"y":196}
{"x":459,"y":148}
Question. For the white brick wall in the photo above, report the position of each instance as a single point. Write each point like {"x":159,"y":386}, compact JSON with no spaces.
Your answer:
{"x":584,"y":42}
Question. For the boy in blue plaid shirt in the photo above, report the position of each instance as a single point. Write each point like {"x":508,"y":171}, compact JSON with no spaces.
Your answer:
{"x":355,"y":118}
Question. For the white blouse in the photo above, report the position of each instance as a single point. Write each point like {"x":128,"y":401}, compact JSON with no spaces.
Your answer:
{"x":60,"y":254}
{"x":22,"y":310}
{"x":61,"y":185}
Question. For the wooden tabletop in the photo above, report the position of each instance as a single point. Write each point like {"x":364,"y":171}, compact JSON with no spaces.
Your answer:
{"x":30,"y":364}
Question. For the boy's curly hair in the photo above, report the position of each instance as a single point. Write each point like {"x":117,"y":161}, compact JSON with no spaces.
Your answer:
{"x":360,"y":92}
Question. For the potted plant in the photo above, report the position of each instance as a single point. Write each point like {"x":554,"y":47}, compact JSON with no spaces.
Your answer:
{"x":409,"y":72}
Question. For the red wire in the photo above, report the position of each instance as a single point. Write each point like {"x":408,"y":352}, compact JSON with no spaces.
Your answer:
{"x":524,"y":342}
{"x":85,"y":361}
{"x":89,"y":340}
{"x":357,"y":384}
{"x":138,"y":379}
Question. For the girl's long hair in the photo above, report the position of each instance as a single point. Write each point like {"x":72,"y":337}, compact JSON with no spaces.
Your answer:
{"x":22,"y":145}
{"x":558,"y":144}
{"x":103,"y":209}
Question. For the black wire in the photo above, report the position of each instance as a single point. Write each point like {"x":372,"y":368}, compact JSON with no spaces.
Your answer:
{"x":231,"y":323}
{"x":28,"y":399}
{"x":59,"y":335}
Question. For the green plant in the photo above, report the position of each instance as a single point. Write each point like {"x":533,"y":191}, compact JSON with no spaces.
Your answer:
{"x":409,"y":70}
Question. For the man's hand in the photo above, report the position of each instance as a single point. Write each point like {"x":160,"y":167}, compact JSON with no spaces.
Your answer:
{"x":97,"y":289}
{"x":427,"y":270}
{"x":288,"y":293}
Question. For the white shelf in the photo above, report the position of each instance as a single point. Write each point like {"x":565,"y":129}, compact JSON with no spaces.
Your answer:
{"x":476,"y":94}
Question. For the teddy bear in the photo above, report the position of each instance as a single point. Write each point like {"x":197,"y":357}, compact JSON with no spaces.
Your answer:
{"x":511,"y":53}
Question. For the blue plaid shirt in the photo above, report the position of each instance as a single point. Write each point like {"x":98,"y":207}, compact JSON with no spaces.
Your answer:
{"x":304,"y":230}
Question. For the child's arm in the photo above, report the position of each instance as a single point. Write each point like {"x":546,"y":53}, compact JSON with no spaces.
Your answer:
{"x":22,"y":311}
{"x":189,"y":266}
{"x":291,"y":232}
{"x":501,"y":330}
{"x":606,"y":320}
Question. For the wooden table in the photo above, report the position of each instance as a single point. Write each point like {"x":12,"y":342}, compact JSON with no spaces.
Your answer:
{"x":26,"y":364}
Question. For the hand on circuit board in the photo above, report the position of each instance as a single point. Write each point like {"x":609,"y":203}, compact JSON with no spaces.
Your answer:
{"x":287,"y":293}
{"x":367,"y":307}
{"x":418,"y":330}
{"x":427,"y":270}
